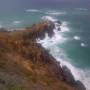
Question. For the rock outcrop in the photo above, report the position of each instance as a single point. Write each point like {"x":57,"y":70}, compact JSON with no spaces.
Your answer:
{"x":26,"y":65}
{"x":39,"y":30}
{"x":69,"y":78}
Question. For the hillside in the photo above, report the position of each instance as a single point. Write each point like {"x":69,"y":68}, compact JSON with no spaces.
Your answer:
{"x":26,"y":65}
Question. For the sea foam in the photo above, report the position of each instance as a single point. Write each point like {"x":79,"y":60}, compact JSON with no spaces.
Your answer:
{"x":33,"y":10}
{"x":56,"y":13}
{"x":76,"y":37}
{"x":83,"y":45}
{"x":81,"y":9}
{"x":64,"y":26}
{"x":79,"y":74}
{"x":52,"y":44}
{"x":16,"y":22}
{"x":53,"y":19}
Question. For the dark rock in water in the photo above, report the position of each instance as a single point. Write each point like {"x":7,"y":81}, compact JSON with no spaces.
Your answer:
{"x":59,"y":29}
{"x":80,"y":85}
{"x":58,"y":22}
{"x":48,"y":50}
{"x":39,"y":30}
{"x":68,"y":77}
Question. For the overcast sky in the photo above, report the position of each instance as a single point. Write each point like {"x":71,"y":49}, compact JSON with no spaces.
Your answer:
{"x":43,"y":3}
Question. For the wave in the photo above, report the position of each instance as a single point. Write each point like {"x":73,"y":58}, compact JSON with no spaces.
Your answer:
{"x":52,"y":44}
{"x":79,"y":74}
{"x":53,"y":19}
{"x":33,"y":10}
{"x":55,"y":13}
{"x":56,"y":39}
{"x":64,"y":26}
{"x":76,"y":37}
{"x":82,"y":9}
{"x":16,"y":22}
{"x":58,"y":36}
{"x":83,"y":45}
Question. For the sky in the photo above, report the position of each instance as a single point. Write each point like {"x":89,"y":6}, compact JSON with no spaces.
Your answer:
{"x":64,"y":3}
{"x":12,"y":4}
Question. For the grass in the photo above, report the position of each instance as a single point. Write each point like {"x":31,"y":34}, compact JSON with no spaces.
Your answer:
{"x":14,"y":87}
{"x":2,"y":64}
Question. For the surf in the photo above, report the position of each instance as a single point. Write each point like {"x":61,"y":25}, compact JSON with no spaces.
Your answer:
{"x":60,"y":55}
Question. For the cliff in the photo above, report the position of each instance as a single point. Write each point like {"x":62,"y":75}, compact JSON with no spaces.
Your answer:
{"x":26,"y":65}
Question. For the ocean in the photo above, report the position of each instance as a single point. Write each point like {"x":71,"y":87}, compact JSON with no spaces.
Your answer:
{"x":70,"y":46}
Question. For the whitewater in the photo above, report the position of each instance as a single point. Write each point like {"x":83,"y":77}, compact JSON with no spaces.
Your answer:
{"x":52,"y":44}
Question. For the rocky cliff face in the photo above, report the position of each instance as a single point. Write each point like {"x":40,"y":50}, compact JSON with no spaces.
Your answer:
{"x":26,"y":65}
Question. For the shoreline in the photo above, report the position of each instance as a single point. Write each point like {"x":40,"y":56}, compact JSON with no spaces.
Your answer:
{"x":31,"y":34}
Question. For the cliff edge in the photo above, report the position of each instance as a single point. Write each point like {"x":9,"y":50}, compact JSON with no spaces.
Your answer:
{"x":26,"y":65}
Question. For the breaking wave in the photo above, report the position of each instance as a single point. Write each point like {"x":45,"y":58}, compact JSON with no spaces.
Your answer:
{"x":52,"y":44}
{"x":76,"y":37}
{"x":81,"y":9}
{"x":53,"y":19}
{"x":83,"y":45}
{"x":64,"y":27}
{"x":33,"y":10}
{"x":56,"y":13}
{"x":16,"y":22}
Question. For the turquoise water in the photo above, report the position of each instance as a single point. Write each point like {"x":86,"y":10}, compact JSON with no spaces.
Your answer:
{"x":76,"y":47}
{"x":78,"y":23}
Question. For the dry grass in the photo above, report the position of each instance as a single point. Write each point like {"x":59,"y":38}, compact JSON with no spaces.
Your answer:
{"x":27,"y":63}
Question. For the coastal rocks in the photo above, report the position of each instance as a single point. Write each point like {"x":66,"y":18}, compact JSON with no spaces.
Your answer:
{"x":69,"y":78}
{"x":50,"y":28}
{"x":57,"y":25}
{"x":80,"y":85}
{"x":56,"y":22}
{"x":39,"y":30}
